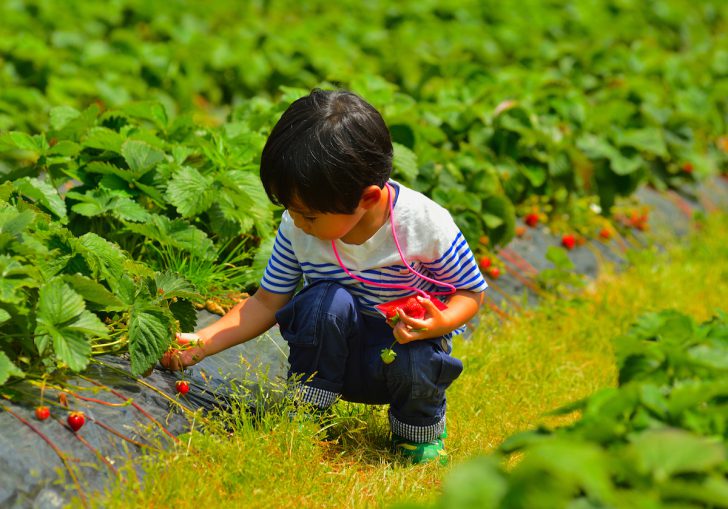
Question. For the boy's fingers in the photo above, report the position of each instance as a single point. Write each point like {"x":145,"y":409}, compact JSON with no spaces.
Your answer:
{"x":429,"y":306}
{"x":185,"y":338}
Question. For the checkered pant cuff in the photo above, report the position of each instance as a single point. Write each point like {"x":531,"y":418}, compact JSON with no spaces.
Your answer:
{"x":417,"y":433}
{"x":320,"y":398}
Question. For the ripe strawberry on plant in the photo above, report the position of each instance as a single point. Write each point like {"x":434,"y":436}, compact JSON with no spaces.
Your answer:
{"x":485,"y":262}
{"x":605,"y":233}
{"x":568,"y":241}
{"x":493,"y":272}
{"x":531,"y":219}
{"x":76,"y":420}
{"x":42,"y":412}
{"x":182,"y":387}
{"x":687,"y":167}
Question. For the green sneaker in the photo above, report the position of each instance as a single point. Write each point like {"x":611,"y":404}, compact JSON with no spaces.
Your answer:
{"x":420,"y":452}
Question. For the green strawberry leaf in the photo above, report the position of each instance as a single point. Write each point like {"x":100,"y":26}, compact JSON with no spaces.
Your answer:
{"x":404,"y":162}
{"x":190,"y":192}
{"x":63,"y":320}
{"x":102,"y":138}
{"x":95,"y":292}
{"x":150,"y":334}
{"x":140,"y":156}
{"x":8,"y":369}
{"x":42,"y":193}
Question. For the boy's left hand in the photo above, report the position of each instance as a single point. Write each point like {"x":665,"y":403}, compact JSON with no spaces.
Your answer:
{"x":434,"y":324}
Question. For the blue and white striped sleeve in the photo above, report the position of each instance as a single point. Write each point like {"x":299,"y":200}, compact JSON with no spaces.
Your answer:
{"x":457,"y":266}
{"x":283,"y":271}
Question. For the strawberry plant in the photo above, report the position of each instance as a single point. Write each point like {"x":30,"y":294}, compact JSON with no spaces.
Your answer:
{"x":658,"y":439}
{"x":65,"y":298}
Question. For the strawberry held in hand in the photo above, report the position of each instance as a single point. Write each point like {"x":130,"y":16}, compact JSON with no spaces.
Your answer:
{"x":410,"y":306}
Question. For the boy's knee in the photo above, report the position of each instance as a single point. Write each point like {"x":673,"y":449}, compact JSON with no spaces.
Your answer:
{"x":420,"y":376}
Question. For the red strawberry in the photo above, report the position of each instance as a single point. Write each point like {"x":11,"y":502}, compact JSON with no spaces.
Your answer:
{"x":605,"y":233}
{"x":182,"y":386}
{"x":42,"y":412}
{"x":485,"y":262}
{"x":409,"y":305}
{"x":76,"y":420}
{"x":413,"y":308}
{"x":493,"y":272}
{"x":688,"y":167}
{"x":568,"y":241}
{"x":531,"y":219}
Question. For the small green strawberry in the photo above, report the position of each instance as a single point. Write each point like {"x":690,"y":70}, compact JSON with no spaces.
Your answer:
{"x":388,"y":355}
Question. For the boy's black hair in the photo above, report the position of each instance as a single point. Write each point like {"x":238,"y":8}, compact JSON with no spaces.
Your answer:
{"x":324,"y":150}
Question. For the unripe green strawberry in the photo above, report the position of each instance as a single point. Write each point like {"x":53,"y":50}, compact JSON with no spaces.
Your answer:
{"x":388,"y":355}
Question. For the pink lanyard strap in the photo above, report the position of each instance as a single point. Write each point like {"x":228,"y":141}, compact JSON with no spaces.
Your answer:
{"x":451,"y":288}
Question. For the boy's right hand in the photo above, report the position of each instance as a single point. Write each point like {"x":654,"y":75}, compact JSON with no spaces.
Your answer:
{"x":188,"y":352}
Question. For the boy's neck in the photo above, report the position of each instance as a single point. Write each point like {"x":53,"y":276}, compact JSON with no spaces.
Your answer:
{"x":371,"y":221}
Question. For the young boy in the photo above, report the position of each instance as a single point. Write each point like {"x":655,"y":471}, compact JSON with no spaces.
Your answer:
{"x":328,"y":162}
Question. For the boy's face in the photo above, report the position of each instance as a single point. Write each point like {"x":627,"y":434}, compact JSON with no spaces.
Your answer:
{"x":324,"y":226}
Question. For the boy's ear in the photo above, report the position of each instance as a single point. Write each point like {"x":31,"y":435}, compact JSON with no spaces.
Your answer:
{"x":370,"y":196}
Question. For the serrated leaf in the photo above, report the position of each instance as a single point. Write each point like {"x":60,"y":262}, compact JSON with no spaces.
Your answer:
{"x":95,"y":292}
{"x":8,"y":369}
{"x":492,"y":221}
{"x":62,"y":319}
{"x":177,"y":233}
{"x":64,"y":148}
{"x":648,"y":139}
{"x":60,"y":116}
{"x":535,"y":174}
{"x":42,"y":193}
{"x":71,"y":348}
{"x":190,"y":192}
{"x":105,"y":168}
{"x":103,"y":258}
{"x":184,"y":312}
{"x":663,"y":453}
{"x":404,"y":162}
{"x":559,"y":257}
{"x":112,"y":202}
{"x":16,"y":140}
{"x":140,"y":156}
{"x":598,"y":148}
{"x":13,"y":222}
{"x":149,"y":110}
{"x":14,"y":276}
{"x":174,"y":285}
{"x":103,"y":138}
{"x":150,"y":334}
{"x":478,"y":483}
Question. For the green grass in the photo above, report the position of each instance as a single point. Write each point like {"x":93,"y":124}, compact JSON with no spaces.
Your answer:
{"x":515,"y":371}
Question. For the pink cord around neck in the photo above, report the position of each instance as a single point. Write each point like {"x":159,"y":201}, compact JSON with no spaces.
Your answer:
{"x":451,"y":288}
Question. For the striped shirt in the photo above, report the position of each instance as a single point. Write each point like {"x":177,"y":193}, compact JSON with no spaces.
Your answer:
{"x":431,"y":242}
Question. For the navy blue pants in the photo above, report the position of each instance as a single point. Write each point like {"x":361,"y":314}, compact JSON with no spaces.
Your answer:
{"x":334,"y":352}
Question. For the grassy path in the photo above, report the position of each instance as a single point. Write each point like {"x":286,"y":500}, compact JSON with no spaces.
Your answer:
{"x":514,"y":373}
